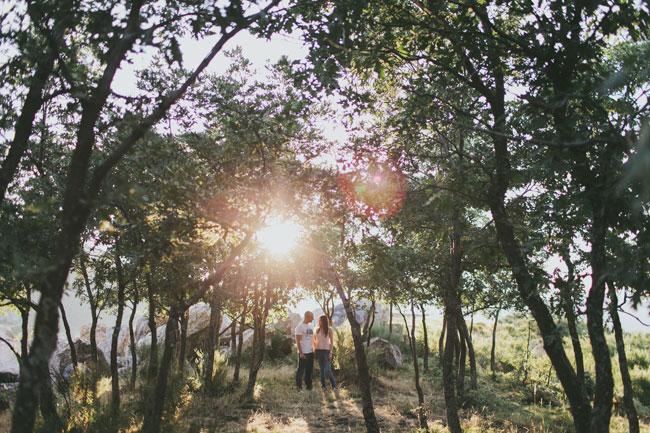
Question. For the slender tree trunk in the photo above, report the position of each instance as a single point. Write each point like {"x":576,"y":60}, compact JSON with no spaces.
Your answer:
{"x":425,"y":335}
{"x":240,"y":337}
{"x":260,"y":315}
{"x":183,"y":341}
{"x":25,"y":123}
{"x":441,"y":340}
{"x":390,"y":318}
{"x":24,"y":321}
{"x":233,"y":335}
{"x":134,"y":353}
{"x":569,"y":308}
{"x":211,"y":344}
{"x":94,"y":316}
{"x":526,"y":283}
{"x":628,"y":394}
{"x":368,"y":409}
{"x":68,"y":334}
{"x":493,"y":349}
{"x":526,"y":356}
{"x":448,"y":373}
{"x":422,"y":414}
{"x":471,"y":323}
{"x":370,"y":316}
{"x":372,"y":322}
{"x":462,"y":361}
{"x":115,"y":378}
{"x":153,"y":416}
{"x":153,"y":349}
{"x":471,"y":355}
{"x":604,"y":387}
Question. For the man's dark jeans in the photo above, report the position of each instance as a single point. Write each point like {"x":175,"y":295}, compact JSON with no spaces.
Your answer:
{"x":305,"y":369}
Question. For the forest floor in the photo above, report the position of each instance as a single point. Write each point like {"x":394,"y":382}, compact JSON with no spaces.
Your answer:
{"x":496,"y":407}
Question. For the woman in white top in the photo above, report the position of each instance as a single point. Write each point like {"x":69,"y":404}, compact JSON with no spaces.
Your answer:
{"x":323,"y":342}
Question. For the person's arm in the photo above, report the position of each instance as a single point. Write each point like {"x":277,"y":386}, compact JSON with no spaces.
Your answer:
{"x":314,"y":342}
{"x":298,"y":340}
{"x":331,"y":338}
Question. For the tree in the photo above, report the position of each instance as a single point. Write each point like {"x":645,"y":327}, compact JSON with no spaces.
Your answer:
{"x":115,"y":39}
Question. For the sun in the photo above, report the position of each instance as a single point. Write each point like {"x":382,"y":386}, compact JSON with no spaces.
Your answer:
{"x":279,"y":237}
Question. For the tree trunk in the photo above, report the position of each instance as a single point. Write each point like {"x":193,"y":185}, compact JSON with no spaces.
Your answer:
{"x":390,"y":318}
{"x":471,"y":323}
{"x":233,"y":335}
{"x":526,"y":356}
{"x":441,"y":340}
{"x":360,"y":357}
{"x":153,"y":416}
{"x":240,"y":336}
{"x":153,"y":349}
{"x":68,"y":334}
{"x":569,"y":308}
{"x":448,"y":373}
{"x":526,"y":283}
{"x":94,"y":316}
{"x":493,"y":349}
{"x":462,"y":361}
{"x":473,"y":375}
{"x":183,"y":341}
{"x":604,"y":387}
{"x":425,"y":335}
{"x":24,"y":321}
{"x":260,"y":314}
{"x":369,"y":317}
{"x":25,"y":123}
{"x":115,"y":378}
{"x":51,"y":419}
{"x":422,"y":414}
{"x":372,"y":323}
{"x":628,"y":395}
{"x":134,"y":353}
{"x":212,"y":341}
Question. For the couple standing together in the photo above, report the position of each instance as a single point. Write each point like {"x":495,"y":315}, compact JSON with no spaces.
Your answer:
{"x":318,"y":341}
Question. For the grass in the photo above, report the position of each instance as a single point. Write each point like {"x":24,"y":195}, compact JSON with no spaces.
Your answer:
{"x":507,"y":404}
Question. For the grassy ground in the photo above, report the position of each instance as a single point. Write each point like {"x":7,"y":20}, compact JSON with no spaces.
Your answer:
{"x":496,"y":407}
{"x":525,"y":396}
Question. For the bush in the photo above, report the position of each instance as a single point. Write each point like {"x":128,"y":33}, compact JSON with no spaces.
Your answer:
{"x":219,"y":379}
{"x":641,"y":388}
{"x":344,"y":362}
{"x":281,"y":346}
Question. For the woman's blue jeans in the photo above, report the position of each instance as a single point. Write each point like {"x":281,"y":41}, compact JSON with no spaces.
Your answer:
{"x":323,"y":357}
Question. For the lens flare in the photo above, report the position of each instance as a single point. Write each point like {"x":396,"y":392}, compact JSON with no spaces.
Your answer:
{"x":372,"y":189}
{"x":279,"y":237}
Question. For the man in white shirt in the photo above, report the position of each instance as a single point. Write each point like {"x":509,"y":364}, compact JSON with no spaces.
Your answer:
{"x":304,"y":333}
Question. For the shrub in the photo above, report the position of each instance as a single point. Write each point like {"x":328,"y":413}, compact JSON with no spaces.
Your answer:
{"x":641,"y":388}
{"x":281,"y":346}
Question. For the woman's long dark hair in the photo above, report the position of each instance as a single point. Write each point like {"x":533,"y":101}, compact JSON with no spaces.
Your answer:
{"x":324,"y":324}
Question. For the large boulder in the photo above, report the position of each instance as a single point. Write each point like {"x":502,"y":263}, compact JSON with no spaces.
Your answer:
{"x":83,"y":357}
{"x":361,"y":309}
{"x":389,"y":354}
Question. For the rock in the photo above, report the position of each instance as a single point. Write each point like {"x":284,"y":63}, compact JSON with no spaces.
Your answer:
{"x":287,"y":325}
{"x":8,"y":377}
{"x":389,"y":354}
{"x":83,"y":356}
{"x":362,"y":308}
